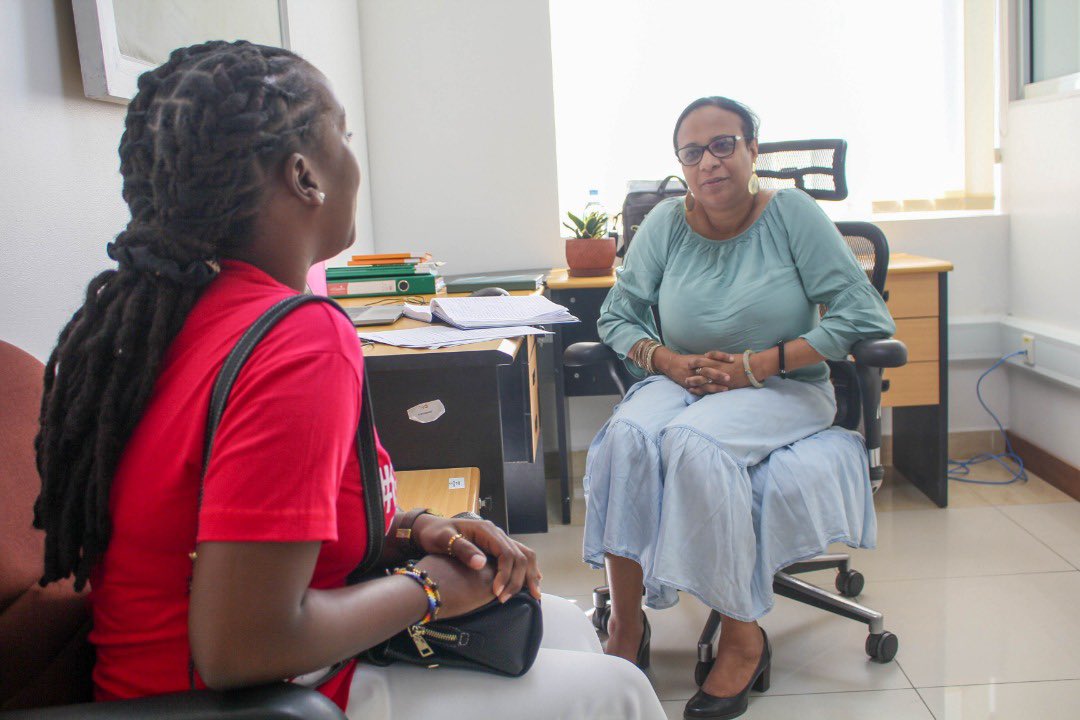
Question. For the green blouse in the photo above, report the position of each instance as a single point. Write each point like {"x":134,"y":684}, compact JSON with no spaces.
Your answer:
{"x":748,"y":292}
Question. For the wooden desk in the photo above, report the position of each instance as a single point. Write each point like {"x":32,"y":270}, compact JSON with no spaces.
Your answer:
{"x":916,"y":293}
{"x":491,"y":419}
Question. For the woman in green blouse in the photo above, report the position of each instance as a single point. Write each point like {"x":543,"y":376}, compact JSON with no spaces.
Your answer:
{"x":679,"y":479}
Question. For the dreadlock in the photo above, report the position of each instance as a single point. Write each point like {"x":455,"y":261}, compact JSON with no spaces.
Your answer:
{"x":199,"y":138}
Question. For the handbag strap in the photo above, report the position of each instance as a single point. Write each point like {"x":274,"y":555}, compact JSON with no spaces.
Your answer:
{"x":365,"y":432}
{"x":662,"y":189}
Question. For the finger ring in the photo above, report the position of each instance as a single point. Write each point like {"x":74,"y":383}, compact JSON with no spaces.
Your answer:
{"x":450,"y":545}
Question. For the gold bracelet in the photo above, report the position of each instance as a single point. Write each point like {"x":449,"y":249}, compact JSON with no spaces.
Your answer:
{"x":649,"y":367}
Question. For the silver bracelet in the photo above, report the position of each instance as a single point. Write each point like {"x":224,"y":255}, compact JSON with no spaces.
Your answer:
{"x":746,"y":369}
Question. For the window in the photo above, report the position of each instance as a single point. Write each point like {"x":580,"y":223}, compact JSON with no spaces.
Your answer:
{"x":1049,"y":44}
{"x":887,"y":76}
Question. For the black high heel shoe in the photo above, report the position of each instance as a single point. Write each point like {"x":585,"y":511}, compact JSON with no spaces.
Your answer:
{"x":704,"y":706}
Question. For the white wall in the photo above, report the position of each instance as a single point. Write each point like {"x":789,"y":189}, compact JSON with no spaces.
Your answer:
{"x":1041,"y":154}
{"x":327,"y":34}
{"x":60,"y":198}
{"x":461,"y":131}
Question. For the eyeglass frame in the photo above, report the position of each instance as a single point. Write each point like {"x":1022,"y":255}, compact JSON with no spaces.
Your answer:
{"x":705,"y":147}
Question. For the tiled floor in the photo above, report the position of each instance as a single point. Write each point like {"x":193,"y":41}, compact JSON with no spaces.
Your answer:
{"x":984,"y":596}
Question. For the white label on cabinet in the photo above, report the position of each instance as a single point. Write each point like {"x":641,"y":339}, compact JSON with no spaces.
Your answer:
{"x":427,"y":412}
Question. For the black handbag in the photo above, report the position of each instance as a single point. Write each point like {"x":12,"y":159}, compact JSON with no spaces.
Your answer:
{"x":642,"y":197}
{"x":502,"y":638}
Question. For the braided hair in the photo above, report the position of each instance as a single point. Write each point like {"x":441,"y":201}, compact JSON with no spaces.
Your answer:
{"x":200,"y":136}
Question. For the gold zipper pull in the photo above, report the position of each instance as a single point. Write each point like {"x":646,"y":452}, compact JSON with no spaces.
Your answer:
{"x":417,"y":634}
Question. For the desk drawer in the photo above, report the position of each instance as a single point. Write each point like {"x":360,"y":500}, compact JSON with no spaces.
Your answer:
{"x":447,"y":491}
{"x":914,"y":295}
{"x":913,"y":384}
{"x":920,"y":335}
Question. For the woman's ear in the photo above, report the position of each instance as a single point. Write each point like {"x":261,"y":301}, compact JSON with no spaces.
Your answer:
{"x":753,"y":148}
{"x":301,"y":180}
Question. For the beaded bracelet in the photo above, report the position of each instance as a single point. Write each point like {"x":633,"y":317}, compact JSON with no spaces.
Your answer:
{"x":430,"y":587}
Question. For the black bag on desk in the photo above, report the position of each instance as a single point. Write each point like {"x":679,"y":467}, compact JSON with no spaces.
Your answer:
{"x":642,"y":197}
{"x":500,"y":638}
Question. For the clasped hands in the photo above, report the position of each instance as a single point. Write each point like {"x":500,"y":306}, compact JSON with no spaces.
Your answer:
{"x":515,"y":564}
{"x":713,"y":372}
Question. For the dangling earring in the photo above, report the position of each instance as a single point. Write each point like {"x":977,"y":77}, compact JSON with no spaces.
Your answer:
{"x":754,"y":184}
{"x":690,"y":201}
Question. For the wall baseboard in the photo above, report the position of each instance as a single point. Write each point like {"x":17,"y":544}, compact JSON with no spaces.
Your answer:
{"x":1052,"y":469}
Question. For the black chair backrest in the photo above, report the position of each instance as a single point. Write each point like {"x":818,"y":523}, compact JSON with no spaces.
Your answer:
{"x":868,"y":244}
{"x":814,"y":166}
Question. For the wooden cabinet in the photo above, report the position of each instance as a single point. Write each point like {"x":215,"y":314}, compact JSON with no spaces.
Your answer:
{"x":918,"y":392}
{"x":913,"y":287}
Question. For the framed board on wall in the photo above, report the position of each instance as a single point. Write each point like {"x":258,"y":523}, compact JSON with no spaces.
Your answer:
{"x":121,"y":39}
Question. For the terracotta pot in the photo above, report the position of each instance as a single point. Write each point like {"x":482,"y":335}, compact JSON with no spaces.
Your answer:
{"x":590,"y":257}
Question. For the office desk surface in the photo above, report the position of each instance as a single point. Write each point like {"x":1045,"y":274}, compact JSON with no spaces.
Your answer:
{"x":899,"y":264}
{"x":494,"y":350}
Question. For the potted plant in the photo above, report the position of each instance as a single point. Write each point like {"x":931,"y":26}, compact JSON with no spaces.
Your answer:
{"x":590,"y":252}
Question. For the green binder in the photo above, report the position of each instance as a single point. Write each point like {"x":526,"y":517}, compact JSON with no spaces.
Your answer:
{"x":420,"y":284}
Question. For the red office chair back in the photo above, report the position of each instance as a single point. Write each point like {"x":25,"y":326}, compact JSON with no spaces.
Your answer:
{"x":44,"y":656}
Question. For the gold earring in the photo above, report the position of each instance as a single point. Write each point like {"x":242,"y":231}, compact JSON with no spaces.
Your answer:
{"x":754,"y":184}
{"x":690,"y":200}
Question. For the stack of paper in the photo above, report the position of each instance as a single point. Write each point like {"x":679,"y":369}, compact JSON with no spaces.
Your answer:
{"x":492,"y":311}
{"x":438,"y":336}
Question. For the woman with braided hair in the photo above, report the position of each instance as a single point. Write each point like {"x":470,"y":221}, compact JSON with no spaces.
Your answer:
{"x":237,"y":170}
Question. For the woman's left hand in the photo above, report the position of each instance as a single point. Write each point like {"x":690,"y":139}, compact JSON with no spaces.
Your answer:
{"x":516,"y":564}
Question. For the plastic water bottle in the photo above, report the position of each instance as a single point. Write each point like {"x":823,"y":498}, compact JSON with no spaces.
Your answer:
{"x":594,"y":205}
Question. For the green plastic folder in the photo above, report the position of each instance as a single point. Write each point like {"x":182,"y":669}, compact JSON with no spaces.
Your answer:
{"x":346,"y":273}
{"x":506,"y":282}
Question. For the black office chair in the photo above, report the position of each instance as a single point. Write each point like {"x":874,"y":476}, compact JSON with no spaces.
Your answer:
{"x":817,"y":167}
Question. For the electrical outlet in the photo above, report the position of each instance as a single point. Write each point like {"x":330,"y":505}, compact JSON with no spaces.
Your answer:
{"x":1027,"y":342}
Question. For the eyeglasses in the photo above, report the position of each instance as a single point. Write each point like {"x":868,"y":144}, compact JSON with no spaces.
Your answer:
{"x":719,"y":147}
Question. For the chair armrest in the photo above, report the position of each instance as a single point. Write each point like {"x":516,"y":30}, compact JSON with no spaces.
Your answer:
{"x":585,"y":354}
{"x":280,"y":701}
{"x":881,"y":353}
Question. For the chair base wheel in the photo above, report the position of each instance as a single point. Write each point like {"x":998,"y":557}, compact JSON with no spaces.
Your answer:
{"x":600,"y":619}
{"x":882,"y":648}
{"x":850,"y":584}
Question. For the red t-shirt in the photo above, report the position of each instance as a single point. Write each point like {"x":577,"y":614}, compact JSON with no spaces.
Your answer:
{"x":283,"y":469}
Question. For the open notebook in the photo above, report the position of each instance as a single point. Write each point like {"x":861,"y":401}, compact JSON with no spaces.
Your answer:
{"x":494,"y":311}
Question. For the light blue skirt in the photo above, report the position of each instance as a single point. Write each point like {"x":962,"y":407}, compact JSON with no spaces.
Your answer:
{"x":713,"y":495}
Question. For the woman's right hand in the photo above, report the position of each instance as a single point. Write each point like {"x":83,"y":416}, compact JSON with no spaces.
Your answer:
{"x":461,"y":588}
{"x":697,"y":373}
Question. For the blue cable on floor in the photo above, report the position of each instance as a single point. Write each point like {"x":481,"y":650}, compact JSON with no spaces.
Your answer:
{"x":960,"y":469}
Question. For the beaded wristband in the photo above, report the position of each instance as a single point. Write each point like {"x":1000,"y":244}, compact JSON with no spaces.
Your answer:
{"x":430,"y":587}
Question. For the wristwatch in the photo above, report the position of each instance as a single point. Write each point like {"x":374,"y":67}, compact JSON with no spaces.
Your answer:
{"x":404,"y":528}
